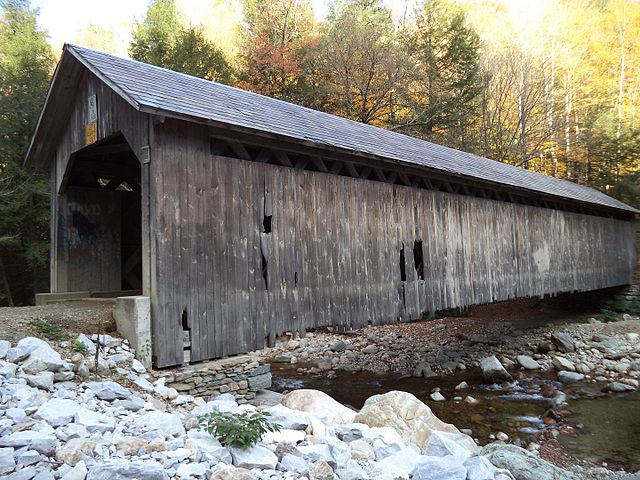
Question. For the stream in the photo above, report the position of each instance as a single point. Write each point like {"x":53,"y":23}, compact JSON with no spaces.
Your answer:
{"x":607,"y":425}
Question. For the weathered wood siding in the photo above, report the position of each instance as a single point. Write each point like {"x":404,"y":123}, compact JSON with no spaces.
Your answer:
{"x":115,"y":115}
{"x":88,"y":243}
{"x":333,"y":254}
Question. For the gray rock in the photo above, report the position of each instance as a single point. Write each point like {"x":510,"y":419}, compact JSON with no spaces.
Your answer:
{"x":43,"y":380}
{"x":190,"y":470}
{"x":439,"y":468}
{"x":88,"y":344}
{"x":267,"y":398}
{"x":493,"y":371}
{"x":23,"y":474}
{"x":44,"y":475}
{"x":292,"y":463}
{"x":350,"y":432}
{"x":437,"y":397}
{"x":106,"y":340}
{"x":423,"y":369}
{"x":78,"y":472}
{"x":133,"y":403}
{"x":288,"y":418}
{"x":142,"y":383}
{"x":7,"y":462}
{"x":352,"y":471}
{"x":27,"y":345}
{"x":459,"y":445}
{"x":562,"y":363}
{"x":316,"y":452}
{"x":254,"y":457}
{"x":260,"y":382}
{"x":569,"y":377}
{"x":522,"y":464}
{"x":42,"y":442}
{"x":205,"y":444}
{"x":563,"y":342}
{"x":137,"y":367}
{"x":44,"y":358}
{"x":370,"y":350}
{"x":124,"y":470}
{"x":479,"y":468}
{"x":57,"y":411}
{"x":339,"y":346}
{"x":94,"y":421}
{"x":170,"y":424}
{"x":403,"y":462}
{"x":618,"y":387}
{"x":4,"y":348}
{"x":8,"y":369}
{"x":18,"y":415}
{"x":108,"y":390}
{"x":527,"y":362}
{"x":29,"y":458}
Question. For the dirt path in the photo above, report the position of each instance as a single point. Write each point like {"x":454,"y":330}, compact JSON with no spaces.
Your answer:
{"x":59,"y":321}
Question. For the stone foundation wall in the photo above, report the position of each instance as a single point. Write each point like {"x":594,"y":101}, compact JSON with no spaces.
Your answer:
{"x":241,"y":376}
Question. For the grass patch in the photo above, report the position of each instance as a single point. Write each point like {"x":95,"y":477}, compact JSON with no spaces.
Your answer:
{"x":48,"y":330}
{"x":80,"y":347}
{"x":449,"y":312}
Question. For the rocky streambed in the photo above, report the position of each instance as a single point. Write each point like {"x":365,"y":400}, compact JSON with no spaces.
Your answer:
{"x":556,"y":387}
{"x":55,"y":424}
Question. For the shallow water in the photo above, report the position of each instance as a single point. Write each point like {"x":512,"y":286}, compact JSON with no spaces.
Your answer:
{"x":610,"y":423}
{"x":610,"y":429}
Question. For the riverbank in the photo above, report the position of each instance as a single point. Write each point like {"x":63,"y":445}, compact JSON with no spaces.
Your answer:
{"x":56,"y":425}
{"x":552,"y":355}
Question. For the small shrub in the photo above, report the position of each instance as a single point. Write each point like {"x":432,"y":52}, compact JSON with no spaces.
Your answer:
{"x":241,"y":430}
{"x":609,"y":315}
{"x":80,"y":347}
{"x":49,"y":330}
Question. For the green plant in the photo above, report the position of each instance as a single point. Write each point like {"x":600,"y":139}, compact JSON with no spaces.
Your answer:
{"x":237,"y":429}
{"x":79,"y":347}
{"x":607,"y":315}
{"x":49,"y":330}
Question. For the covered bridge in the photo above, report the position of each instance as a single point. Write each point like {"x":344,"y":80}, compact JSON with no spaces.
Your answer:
{"x":242,"y":216}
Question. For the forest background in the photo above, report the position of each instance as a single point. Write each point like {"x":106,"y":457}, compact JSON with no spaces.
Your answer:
{"x":551,"y":86}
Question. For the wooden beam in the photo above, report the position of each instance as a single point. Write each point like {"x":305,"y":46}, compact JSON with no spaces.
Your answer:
{"x":301,"y":163}
{"x":336,"y":168}
{"x":283,"y":158}
{"x":319,"y":164}
{"x":217,"y":146}
{"x":351,"y":169}
{"x":263,"y":155}
{"x":239,"y":150}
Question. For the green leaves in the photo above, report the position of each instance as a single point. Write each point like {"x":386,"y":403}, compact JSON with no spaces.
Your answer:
{"x":26,"y":63}
{"x":241,"y":430}
{"x":161,"y":40}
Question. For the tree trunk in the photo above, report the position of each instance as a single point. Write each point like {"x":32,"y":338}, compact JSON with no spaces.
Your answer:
{"x":5,"y":282}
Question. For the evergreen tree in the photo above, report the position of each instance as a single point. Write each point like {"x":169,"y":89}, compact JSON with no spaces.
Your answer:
{"x":154,"y":38}
{"x":25,"y":66}
{"x":447,"y":88}
{"x":161,"y":40}
{"x":194,"y":55}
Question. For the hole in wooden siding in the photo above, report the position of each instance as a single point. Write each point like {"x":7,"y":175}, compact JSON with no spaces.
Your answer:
{"x":403,"y":273}
{"x":418,"y":259}
{"x":264,"y":271}
{"x":266,"y":224}
{"x":295,"y":278}
{"x":186,"y":330}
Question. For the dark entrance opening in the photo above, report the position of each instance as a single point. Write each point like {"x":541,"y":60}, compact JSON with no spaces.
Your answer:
{"x":103,"y":213}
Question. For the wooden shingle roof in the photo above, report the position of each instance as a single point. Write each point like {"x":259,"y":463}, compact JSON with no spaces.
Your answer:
{"x":164,"y":92}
